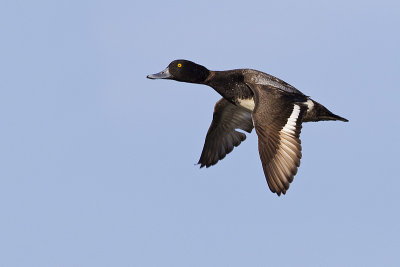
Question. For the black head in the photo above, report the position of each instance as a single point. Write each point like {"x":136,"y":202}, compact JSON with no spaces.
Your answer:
{"x":183,"y":71}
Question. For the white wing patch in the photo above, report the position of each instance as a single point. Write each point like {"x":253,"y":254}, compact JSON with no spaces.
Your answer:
{"x":288,"y":154}
{"x":290,"y":126}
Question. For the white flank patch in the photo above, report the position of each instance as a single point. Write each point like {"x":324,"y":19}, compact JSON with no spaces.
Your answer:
{"x":247,"y":103}
{"x":310,"y":105}
{"x":290,"y":126}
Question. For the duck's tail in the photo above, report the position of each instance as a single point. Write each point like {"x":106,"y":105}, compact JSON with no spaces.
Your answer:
{"x":317,"y":112}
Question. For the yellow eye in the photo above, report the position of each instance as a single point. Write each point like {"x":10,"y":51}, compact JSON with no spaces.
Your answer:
{"x":179,"y":65}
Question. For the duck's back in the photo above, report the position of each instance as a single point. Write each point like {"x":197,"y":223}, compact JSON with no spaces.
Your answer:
{"x":258,"y":77}
{"x":233,"y":85}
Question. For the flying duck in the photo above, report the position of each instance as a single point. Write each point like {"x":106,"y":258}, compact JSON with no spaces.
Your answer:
{"x":252,"y":98}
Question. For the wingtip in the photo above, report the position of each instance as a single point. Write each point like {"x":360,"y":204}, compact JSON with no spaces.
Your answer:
{"x":201,"y":164}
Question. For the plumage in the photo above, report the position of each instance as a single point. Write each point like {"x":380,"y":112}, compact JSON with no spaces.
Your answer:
{"x":222,"y":136}
{"x":253,"y":99}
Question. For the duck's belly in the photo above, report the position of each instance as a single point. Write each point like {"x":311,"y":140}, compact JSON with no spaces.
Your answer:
{"x":247,"y":103}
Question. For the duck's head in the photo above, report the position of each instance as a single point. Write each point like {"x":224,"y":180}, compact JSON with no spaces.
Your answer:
{"x":183,"y":71}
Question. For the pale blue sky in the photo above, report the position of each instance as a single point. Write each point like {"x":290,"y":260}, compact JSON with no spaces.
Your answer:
{"x":97,"y":162}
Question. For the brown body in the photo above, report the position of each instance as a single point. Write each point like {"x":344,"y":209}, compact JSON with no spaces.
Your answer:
{"x":253,"y":99}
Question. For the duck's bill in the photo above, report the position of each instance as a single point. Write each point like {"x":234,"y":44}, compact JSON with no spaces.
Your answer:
{"x":161,"y":75}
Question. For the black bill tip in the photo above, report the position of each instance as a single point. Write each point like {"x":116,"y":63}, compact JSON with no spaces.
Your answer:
{"x":161,"y":75}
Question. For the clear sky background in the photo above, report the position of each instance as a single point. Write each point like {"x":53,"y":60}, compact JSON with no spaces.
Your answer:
{"x":97,"y":163}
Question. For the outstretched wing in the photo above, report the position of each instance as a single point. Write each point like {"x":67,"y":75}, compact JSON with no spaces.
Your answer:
{"x":221,"y":136}
{"x":277,"y":118}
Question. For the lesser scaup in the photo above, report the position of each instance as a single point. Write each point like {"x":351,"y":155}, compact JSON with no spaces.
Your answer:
{"x":252,"y":98}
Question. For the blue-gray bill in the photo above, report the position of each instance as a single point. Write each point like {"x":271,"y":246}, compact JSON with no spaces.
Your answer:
{"x":161,"y":75}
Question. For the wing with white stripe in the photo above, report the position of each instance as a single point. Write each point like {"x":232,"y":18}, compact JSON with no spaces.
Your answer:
{"x":277,"y":120}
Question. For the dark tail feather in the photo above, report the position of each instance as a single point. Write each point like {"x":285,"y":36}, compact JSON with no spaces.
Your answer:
{"x":321,"y":113}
